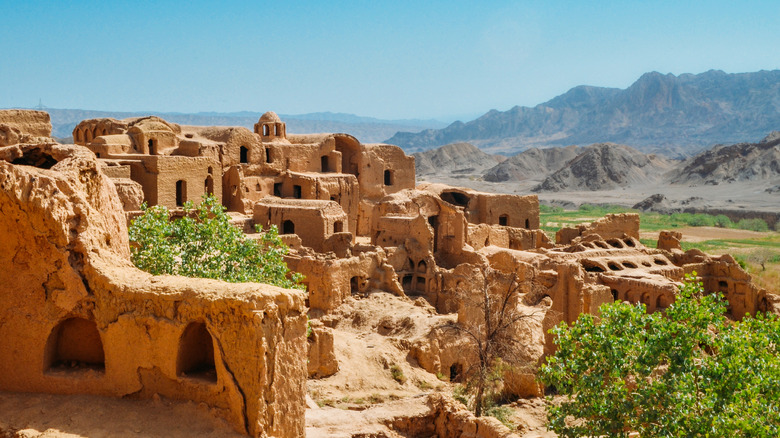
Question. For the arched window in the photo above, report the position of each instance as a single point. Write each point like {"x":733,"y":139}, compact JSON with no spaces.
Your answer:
{"x":389,"y":177}
{"x":265,"y":130}
{"x":338,"y":227}
{"x":196,"y":353}
{"x":74,"y":344}
{"x":288,"y":227}
{"x":209,"y":185}
{"x":152,"y":147}
{"x":244,"y":155}
{"x":324,"y":163}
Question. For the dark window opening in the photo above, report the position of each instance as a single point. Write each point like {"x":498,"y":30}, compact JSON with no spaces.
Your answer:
{"x":297,"y":192}
{"x":659,"y":304}
{"x":75,"y":344}
{"x":456,"y":198}
{"x":660,"y":262}
{"x":591,"y":266}
{"x":278,"y":189}
{"x":527,"y":224}
{"x":614,"y":266}
{"x":181,"y":192}
{"x":601,"y":244}
{"x":196,"y":354}
{"x":629,"y":265}
{"x":456,"y":370}
{"x":614,"y":294}
{"x":324,"y":163}
{"x":615,"y":243}
{"x":503,"y":220}
{"x":407,"y":282}
{"x":388,"y":177}
{"x":209,"y":185}
{"x":629,"y":242}
{"x":723,"y":286}
{"x":267,"y":155}
{"x":152,"y":147}
{"x":97,"y":154}
{"x":211,"y":170}
{"x":338,"y":227}
{"x":244,"y":155}
{"x":288,"y":227}
{"x":354,"y":284}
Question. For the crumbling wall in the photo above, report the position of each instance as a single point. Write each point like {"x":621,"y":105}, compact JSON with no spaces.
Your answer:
{"x":77,"y":317}
{"x":24,"y":126}
{"x":611,"y":226}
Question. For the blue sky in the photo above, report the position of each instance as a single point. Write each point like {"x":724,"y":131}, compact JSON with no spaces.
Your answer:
{"x":393,"y":59}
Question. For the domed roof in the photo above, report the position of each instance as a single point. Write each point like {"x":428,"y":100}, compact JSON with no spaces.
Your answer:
{"x":270,"y":116}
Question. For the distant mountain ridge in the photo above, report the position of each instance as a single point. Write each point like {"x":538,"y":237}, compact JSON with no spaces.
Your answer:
{"x":366,"y":129}
{"x":458,"y":158}
{"x":675,"y":115}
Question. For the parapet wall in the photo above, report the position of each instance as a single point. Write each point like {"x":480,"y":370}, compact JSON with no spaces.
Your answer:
{"x":77,"y":317}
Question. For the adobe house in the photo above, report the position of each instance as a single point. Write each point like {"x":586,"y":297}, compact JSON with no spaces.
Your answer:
{"x":314,"y":221}
{"x":79,"y":318}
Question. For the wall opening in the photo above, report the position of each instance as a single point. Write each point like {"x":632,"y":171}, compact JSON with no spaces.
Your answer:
{"x":591,"y":266}
{"x":152,"y":147}
{"x":277,"y":129}
{"x":209,"y":185}
{"x":503,"y":220}
{"x":267,"y":155}
{"x":278,"y":189}
{"x":433,"y":221}
{"x":354,"y":284}
{"x":324,"y":163}
{"x":288,"y":227}
{"x":422,"y":266}
{"x":527,"y":224}
{"x":181,"y":192}
{"x":615,"y":294}
{"x":265,"y":130}
{"x":723,"y":286}
{"x":389,"y":177}
{"x":407,"y":282}
{"x":244,"y":155}
{"x":297,"y":192}
{"x":421,"y":284}
{"x":456,"y":198}
{"x":195,"y":359}
{"x":74,"y":344}
{"x":456,"y":370}
{"x":614,"y":266}
{"x":338,"y":227}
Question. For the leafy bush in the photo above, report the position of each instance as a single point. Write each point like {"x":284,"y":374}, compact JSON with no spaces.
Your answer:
{"x":723,"y":221}
{"x":204,"y":244}
{"x":753,"y":224}
{"x":691,"y":372}
{"x":397,"y":374}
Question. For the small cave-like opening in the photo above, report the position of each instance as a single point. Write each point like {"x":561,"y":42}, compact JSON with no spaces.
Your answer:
{"x":36,"y":158}
{"x":73,"y":345}
{"x":456,"y":370}
{"x":195,"y":359}
{"x":591,"y":266}
{"x":456,"y":198}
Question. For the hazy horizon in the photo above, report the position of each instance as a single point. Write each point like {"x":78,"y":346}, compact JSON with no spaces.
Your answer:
{"x":399,"y":60}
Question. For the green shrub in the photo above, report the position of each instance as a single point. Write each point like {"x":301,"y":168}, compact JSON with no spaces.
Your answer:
{"x":398,"y":374}
{"x":723,"y":221}
{"x":686,"y":372}
{"x":204,"y":244}
{"x":753,"y":224}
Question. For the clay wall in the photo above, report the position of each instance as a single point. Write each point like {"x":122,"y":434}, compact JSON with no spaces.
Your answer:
{"x":89,"y":130}
{"x":173,"y":180}
{"x":386,"y":170}
{"x":78,"y":318}
{"x":611,"y":226}
{"x":314,"y":221}
{"x":24,"y":126}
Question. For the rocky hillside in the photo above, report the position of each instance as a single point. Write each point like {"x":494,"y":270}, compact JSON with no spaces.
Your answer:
{"x":606,"y":166}
{"x":662,"y":113}
{"x":530,"y":164}
{"x":458,"y":158}
{"x":729,"y":163}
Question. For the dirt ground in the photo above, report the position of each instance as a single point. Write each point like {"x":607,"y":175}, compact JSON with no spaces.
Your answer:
{"x":71,"y":416}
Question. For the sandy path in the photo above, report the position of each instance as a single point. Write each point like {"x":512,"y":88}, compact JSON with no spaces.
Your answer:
{"x":700,"y":234}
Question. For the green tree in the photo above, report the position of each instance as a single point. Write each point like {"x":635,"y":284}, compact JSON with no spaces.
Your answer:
{"x":690,"y":372}
{"x":204,"y":244}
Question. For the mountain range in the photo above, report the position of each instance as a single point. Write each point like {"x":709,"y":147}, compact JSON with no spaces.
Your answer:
{"x":366,"y":129}
{"x":673,"y":115}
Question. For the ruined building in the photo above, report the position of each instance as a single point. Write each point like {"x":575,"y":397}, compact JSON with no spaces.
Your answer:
{"x":77,"y":317}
